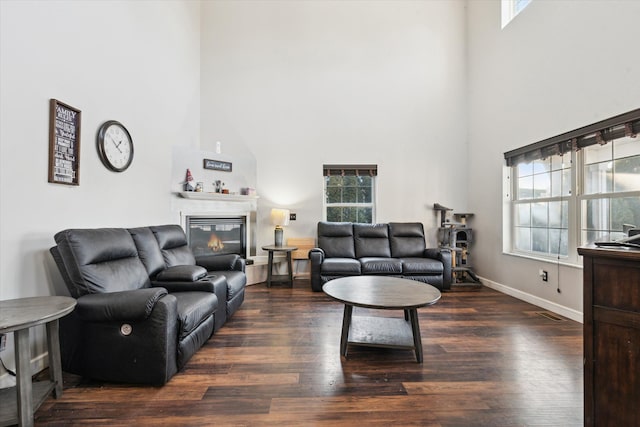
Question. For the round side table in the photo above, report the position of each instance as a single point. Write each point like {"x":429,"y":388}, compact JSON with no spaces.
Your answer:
{"x":18,"y":316}
{"x":282,"y":278}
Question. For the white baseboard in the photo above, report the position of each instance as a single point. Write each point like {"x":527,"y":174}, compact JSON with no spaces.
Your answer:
{"x":532,"y":299}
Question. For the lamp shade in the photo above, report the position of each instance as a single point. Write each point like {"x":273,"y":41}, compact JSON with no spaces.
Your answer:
{"x":280,"y":217}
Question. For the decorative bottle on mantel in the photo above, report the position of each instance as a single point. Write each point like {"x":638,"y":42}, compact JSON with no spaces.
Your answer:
{"x":188,"y":186}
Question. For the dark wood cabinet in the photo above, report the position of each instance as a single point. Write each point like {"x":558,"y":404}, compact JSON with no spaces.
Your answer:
{"x":611,"y":337}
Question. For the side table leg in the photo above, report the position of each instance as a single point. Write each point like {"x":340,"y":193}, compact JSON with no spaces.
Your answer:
{"x":269,"y":268}
{"x":346,"y":325}
{"x":290,"y":264}
{"x":23,"y":377}
{"x":415,"y":328}
{"x":55,"y":363}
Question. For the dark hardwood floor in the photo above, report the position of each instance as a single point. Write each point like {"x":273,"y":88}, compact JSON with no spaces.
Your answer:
{"x":489,"y":360}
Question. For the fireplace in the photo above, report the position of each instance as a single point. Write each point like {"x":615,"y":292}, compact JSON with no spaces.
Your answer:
{"x":216,"y":235}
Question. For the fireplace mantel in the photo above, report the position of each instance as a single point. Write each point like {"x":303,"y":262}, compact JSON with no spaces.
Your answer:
{"x":198,"y":195}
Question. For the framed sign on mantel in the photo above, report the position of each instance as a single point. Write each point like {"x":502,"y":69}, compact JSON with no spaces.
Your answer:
{"x":64,"y":143}
{"x":217,"y":165}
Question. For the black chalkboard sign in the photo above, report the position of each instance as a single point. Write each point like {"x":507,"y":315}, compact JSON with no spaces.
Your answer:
{"x":217,"y":165}
{"x":64,"y":144}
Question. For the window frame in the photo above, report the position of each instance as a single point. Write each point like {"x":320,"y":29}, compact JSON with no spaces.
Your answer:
{"x":350,"y":170}
{"x":582,"y":196}
{"x":517,"y":201}
{"x":576,"y":214}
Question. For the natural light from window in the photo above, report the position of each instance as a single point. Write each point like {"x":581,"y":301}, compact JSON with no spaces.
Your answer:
{"x":511,"y":8}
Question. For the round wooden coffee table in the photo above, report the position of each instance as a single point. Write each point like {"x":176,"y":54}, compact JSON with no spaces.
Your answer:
{"x":386,"y":293}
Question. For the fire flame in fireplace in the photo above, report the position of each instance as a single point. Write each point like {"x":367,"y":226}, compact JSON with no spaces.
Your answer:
{"x":215,"y":244}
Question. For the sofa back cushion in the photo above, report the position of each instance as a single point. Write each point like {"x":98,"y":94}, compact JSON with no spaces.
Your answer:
{"x":371,"y":240}
{"x":148,"y":250}
{"x":336,"y":239}
{"x":173,"y":245}
{"x":100,"y":260}
{"x":407,"y":239}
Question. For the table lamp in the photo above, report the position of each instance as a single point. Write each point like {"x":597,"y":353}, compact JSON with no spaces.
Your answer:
{"x":279,"y":218}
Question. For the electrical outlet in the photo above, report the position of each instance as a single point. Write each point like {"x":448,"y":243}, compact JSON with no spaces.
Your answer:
{"x":292,"y":217}
{"x":543,"y":275}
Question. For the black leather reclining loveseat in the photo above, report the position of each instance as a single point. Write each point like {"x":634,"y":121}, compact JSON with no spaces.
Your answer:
{"x":145,"y":305}
{"x":395,"y":249}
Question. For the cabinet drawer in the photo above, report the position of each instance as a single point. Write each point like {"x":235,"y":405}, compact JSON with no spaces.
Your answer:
{"x":616,"y":285}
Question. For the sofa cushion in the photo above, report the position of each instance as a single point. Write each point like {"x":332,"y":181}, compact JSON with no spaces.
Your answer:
{"x":336,"y":239}
{"x":380,"y":265}
{"x":371,"y":240}
{"x":421,"y":266}
{"x":407,"y":239}
{"x":340,"y":266}
{"x":173,"y":245}
{"x":110,"y":266}
{"x":219,"y":283}
{"x":195,"y":340}
{"x":193,"y":309}
{"x":236,"y":281}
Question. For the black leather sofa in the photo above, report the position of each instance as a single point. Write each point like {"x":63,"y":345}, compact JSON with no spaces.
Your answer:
{"x":395,"y":249}
{"x":145,"y":305}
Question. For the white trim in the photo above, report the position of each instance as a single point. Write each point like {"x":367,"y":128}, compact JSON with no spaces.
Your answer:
{"x":201,"y":195}
{"x":549,"y":260}
{"x":532,"y":299}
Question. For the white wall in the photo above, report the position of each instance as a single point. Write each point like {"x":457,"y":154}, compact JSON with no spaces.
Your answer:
{"x":136,"y":62}
{"x":312,"y":82}
{"x":557,"y":66}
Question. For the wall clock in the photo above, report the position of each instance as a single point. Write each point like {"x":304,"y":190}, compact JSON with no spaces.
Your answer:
{"x":115,"y":146}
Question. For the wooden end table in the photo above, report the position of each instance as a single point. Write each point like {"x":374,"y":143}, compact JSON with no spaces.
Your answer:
{"x":386,"y":293}
{"x":18,"y":316}
{"x":282,"y":278}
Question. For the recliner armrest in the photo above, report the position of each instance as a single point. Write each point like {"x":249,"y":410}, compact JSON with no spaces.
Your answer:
{"x":125,"y":305}
{"x":444,"y":255}
{"x":202,"y":285}
{"x":221,"y":262}
{"x":181,"y":273}
{"x":316,"y":256}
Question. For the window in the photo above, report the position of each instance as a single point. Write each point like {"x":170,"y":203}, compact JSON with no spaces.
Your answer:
{"x":350,"y":193}
{"x":541,"y":206}
{"x":511,"y":8}
{"x":611,"y":201}
{"x":574,"y":189}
